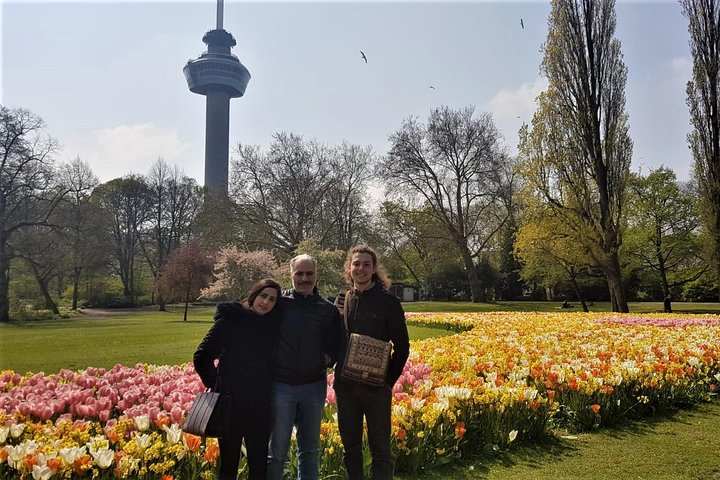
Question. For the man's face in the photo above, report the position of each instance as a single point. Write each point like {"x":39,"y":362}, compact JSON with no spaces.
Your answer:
{"x":303,"y":277}
{"x":362,"y":269}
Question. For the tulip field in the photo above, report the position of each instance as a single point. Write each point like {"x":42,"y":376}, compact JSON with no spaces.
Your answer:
{"x":504,"y":378}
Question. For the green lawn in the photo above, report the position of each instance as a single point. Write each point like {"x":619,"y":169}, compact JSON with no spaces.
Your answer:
{"x":683,"y":446}
{"x":148,"y":336}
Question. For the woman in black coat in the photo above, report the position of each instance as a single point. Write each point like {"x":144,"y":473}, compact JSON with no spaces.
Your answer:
{"x":242,"y":339}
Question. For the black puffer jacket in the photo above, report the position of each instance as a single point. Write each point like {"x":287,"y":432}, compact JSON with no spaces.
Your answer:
{"x":309,"y":338}
{"x":243,"y":342}
{"x":378,"y":313}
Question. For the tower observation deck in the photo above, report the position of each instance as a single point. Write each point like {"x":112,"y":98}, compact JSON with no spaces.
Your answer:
{"x":219,"y":76}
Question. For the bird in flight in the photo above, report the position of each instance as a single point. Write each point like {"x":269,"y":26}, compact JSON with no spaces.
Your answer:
{"x":363,"y":56}
{"x":430,"y":86}
{"x":522,"y":25}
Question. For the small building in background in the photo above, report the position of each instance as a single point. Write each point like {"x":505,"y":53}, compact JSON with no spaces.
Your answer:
{"x":406,"y":293}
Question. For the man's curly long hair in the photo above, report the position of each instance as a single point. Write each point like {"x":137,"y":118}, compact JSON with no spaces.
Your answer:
{"x":380,"y":275}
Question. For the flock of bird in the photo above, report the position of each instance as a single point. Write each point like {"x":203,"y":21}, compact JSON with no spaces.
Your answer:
{"x":364,"y":57}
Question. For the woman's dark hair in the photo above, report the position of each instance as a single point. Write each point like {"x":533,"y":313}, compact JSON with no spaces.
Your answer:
{"x":380,"y":276}
{"x":259,"y":287}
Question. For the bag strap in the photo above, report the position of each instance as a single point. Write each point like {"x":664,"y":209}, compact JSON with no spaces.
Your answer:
{"x":348,"y":295}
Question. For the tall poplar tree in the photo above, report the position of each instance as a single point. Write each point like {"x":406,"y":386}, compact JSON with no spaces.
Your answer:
{"x":703,"y":99}
{"x":576,"y":154}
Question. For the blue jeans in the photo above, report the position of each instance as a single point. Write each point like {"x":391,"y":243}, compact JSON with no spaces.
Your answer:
{"x":299,"y":406}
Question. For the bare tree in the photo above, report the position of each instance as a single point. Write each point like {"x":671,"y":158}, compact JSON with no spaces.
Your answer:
{"x":703,"y":98}
{"x":577,"y":154}
{"x":174,"y":202}
{"x":126,"y":201}
{"x":82,"y":222}
{"x":454,"y":164}
{"x":28,"y":194}
{"x":283,"y":193}
{"x":344,"y":215}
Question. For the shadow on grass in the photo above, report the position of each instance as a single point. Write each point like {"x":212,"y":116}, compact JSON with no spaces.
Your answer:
{"x":562,"y":445}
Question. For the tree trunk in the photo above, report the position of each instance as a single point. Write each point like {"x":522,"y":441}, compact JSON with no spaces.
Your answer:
{"x":76,"y":288}
{"x":614,"y":279}
{"x":578,"y":294}
{"x":187,"y":302}
{"x":42,"y":284}
{"x":75,"y":295}
{"x":475,"y":286}
{"x":4,"y":283}
{"x":162,"y":305}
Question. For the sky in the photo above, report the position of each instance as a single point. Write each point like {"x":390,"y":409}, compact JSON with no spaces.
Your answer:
{"x":106,"y":77}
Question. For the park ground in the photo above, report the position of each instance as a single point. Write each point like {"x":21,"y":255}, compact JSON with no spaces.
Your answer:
{"x":681,"y":445}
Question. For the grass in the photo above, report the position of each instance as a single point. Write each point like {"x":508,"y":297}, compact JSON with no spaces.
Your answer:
{"x":682,"y":446}
{"x":147,"y":336}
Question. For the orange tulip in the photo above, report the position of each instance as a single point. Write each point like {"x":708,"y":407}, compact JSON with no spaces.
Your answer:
{"x":460,"y":430}
{"x":595,"y":407}
{"x":212,"y":452}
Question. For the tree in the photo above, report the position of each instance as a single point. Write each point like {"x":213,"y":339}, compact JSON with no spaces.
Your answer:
{"x":663,"y":228}
{"x":703,"y":99}
{"x":126,"y":201}
{"x":549,"y":251}
{"x":28,"y":194}
{"x":419,"y":243}
{"x":83,"y":224}
{"x":280,"y":192}
{"x":343,"y":214}
{"x":236,"y":271}
{"x":576,"y":155}
{"x":187,"y":271}
{"x":174,"y":201}
{"x":301,"y":189}
{"x":455,"y":165}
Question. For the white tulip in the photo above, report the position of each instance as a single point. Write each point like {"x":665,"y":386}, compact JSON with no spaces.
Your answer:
{"x":16,"y":429}
{"x":173,"y":433}
{"x":70,"y":454}
{"x":513,"y":435}
{"x":4,"y":431}
{"x":41,"y":472}
{"x":143,"y":440}
{"x":142,"y":422}
{"x":104,"y":458}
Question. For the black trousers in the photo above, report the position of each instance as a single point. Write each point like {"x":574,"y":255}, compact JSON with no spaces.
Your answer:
{"x":353,"y":402}
{"x":249,"y":421}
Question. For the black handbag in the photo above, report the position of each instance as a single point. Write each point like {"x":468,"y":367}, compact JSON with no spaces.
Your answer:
{"x":205,"y":418}
{"x":366,"y":357}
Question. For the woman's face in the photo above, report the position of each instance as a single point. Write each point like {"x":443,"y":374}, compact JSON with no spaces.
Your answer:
{"x":265,"y":301}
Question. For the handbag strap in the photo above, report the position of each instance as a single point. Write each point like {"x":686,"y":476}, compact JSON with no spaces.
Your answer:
{"x":348,"y":295}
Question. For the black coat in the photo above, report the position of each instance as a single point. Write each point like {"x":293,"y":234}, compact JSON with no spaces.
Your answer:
{"x":243,"y":342}
{"x":378,"y":313}
{"x":309,"y":339}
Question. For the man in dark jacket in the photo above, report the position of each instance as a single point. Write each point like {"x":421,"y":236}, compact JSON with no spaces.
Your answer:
{"x":308,"y":343}
{"x":373,"y":311}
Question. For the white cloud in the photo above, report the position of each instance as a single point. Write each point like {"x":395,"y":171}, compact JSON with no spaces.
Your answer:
{"x":114,"y":152}
{"x":512,"y":108}
{"x":509,"y":104}
{"x":682,"y":67}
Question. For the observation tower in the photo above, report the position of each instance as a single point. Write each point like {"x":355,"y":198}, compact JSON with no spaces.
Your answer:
{"x":219,"y":75}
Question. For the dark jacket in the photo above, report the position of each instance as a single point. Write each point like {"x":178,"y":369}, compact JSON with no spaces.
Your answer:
{"x":243,"y":342}
{"x":309,"y":339}
{"x":378,"y":313}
